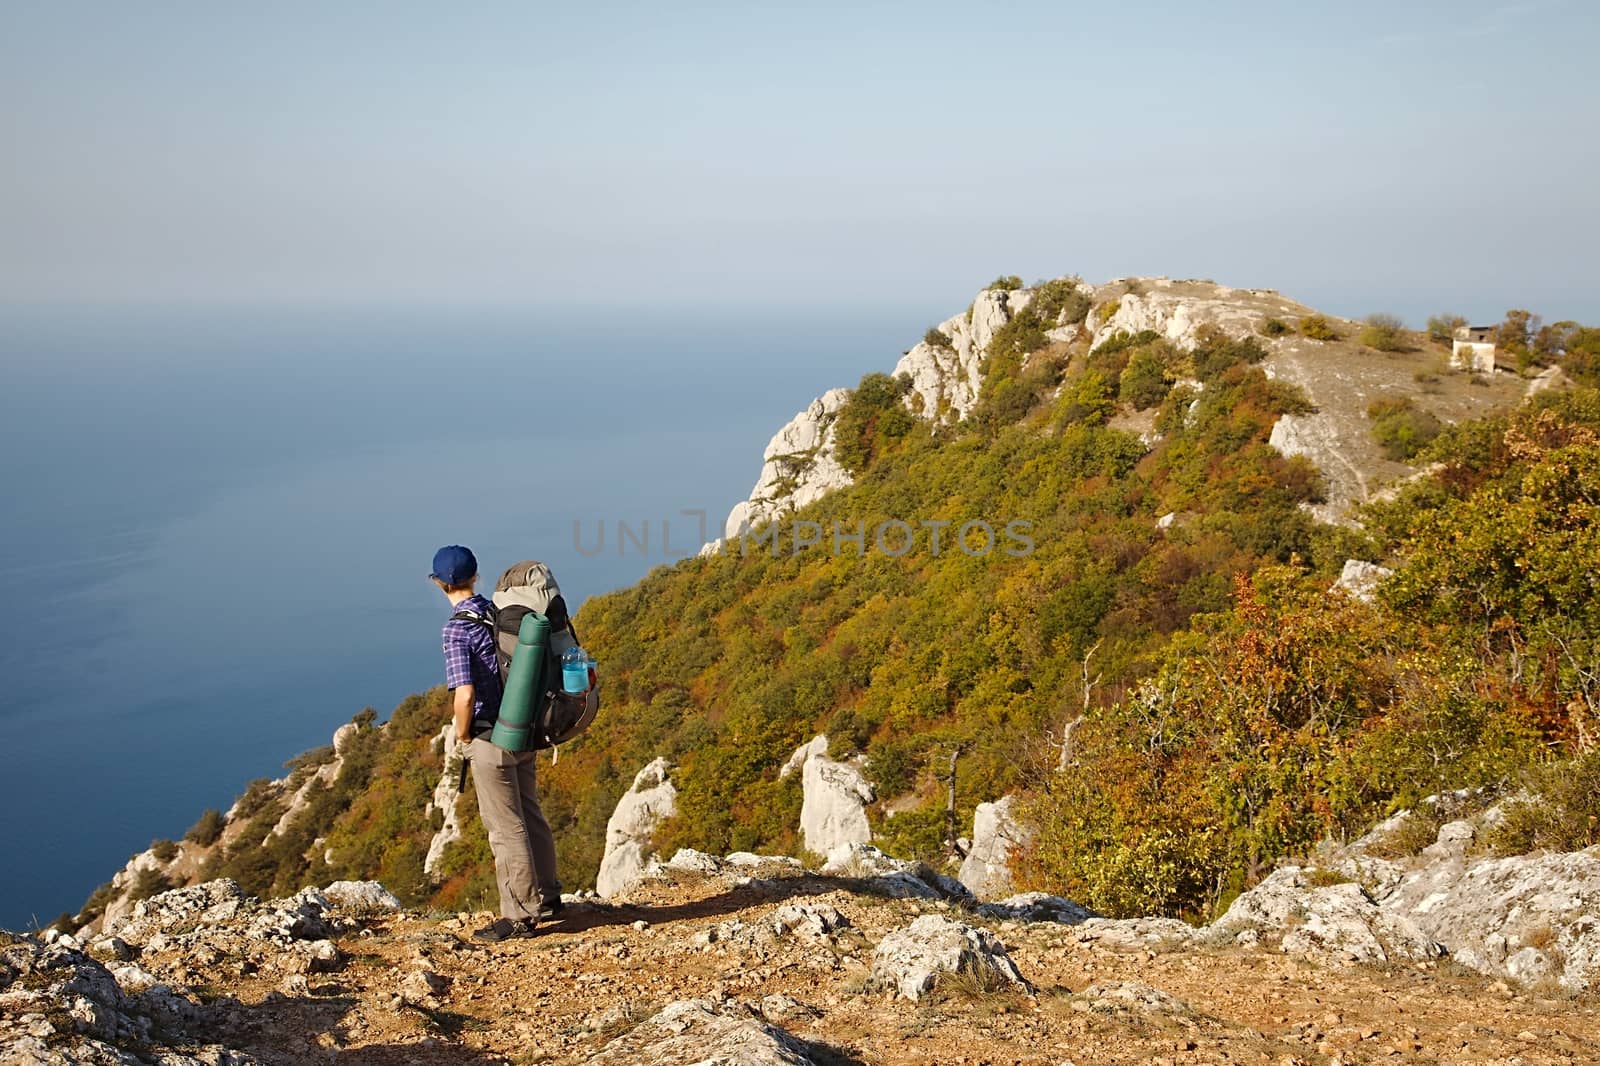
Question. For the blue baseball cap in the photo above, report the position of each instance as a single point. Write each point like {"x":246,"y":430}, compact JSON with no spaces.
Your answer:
{"x":454,"y":565}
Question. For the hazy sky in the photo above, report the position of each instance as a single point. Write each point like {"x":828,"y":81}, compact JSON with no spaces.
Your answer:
{"x":1357,"y":155}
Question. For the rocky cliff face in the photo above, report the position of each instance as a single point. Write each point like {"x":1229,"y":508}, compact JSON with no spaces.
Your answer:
{"x":797,"y":468}
{"x":1339,"y":377}
{"x":945,"y":378}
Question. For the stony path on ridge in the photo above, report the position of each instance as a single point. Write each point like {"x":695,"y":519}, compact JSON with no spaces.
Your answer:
{"x":585,"y":982}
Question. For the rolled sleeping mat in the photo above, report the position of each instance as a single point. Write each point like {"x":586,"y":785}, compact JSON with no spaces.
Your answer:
{"x":524,"y":686}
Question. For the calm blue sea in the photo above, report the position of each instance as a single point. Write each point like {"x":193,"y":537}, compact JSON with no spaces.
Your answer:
{"x":217,"y":525}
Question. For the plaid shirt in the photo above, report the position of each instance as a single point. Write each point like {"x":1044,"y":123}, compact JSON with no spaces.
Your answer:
{"x":469,"y":659}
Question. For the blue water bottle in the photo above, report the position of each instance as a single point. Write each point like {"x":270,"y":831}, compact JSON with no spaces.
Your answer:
{"x":575,"y":670}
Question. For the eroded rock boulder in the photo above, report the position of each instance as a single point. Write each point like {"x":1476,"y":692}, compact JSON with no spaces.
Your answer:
{"x":888,"y":876}
{"x":650,"y":800}
{"x":1334,"y":924}
{"x":912,"y":960}
{"x":705,"y":1032}
{"x":1526,"y":917}
{"x":834,"y":810}
{"x":995,"y":832}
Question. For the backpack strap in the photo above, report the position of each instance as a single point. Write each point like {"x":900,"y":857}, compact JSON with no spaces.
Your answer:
{"x":465,"y":615}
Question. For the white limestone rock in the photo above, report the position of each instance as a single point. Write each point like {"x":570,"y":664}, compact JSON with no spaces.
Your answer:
{"x":1036,"y":907}
{"x":1333,"y":924}
{"x":361,"y":897}
{"x":74,"y":1010}
{"x":648,"y":802}
{"x":120,"y":906}
{"x":180,"y":910}
{"x":705,"y":1032}
{"x":798,"y":467}
{"x":1317,"y":437}
{"x":892,"y":877}
{"x":322,"y":777}
{"x":817,"y":745}
{"x":995,"y":832}
{"x":1129,"y":1000}
{"x":1491,"y":911}
{"x":945,"y":381}
{"x":911,"y":960}
{"x":688,"y":860}
{"x":1177,"y":314}
{"x":1359,"y":580}
{"x":1137,"y":934}
{"x":834,"y":810}
{"x":446,"y":794}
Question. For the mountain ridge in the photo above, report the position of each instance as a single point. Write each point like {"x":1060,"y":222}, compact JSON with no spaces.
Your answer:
{"x":725,"y":663}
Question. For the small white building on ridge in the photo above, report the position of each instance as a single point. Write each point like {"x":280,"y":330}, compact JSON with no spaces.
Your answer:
{"x":1473,"y":349}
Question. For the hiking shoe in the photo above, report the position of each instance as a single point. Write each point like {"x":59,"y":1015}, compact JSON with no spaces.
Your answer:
{"x":504,"y":929}
{"x":552,"y":910}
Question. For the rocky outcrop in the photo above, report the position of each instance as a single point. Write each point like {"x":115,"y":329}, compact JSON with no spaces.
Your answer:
{"x":62,"y":1006}
{"x":1359,"y":580}
{"x":1336,"y":924}
{"x":708,"y":1032}
{"x":1179,"y":310}
{"x":650,"y":800}
{"x":798,"y":467}
{"x":912,"y":960}
{"x":888,"y":876}
{"x":834,"y":810}
{"x":319,"y":778}
{"x":1530,"y":918}
{"x":995,"y":832}
{"x":947,"y":377}
{"x":446,"y":793}
{"x":1319,"y":437}
{"x":817,"y":745}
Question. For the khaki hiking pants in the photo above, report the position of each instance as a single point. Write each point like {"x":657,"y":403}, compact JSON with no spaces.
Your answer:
{"x":524,"y":850}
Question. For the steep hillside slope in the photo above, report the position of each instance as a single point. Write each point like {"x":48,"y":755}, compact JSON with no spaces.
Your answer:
{"x":992,"y":573}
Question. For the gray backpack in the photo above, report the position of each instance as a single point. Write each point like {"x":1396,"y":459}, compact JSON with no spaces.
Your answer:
{"x":530,"y":586}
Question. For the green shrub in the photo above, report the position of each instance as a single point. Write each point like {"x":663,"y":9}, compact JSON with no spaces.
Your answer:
{"x":256,"y":796}
{"x":1382,"y":332}
{"x":147,"y":883}
{"x":95,"y":905}
{"x":1318,"y":328}
{"x":206,"y":831}
{"x":1560,"y":811}
{"x":1218,"y":353}
{"x":1274,"y":327}
{"x":1060,"y":302}
{"x":1144,"y":381}
{"x":164,"y":850}
{"x":1004,"y":283}
{"x":1402,"y":428}
{"x":935,"y":338}
{"x":871,"y":420}
{"x":1442,"y":328}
